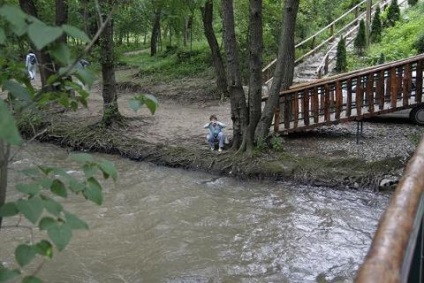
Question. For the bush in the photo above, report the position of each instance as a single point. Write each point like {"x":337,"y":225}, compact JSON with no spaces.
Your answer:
{"x":376,"y":27}
{"x":360,"y":40}
{"x":341,"y":61}
{"x":419,"y":43}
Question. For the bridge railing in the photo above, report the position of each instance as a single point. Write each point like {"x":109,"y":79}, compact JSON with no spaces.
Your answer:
{"x":356,"y":12}
{"x":352,"y":96}
{"x":396,"y":253}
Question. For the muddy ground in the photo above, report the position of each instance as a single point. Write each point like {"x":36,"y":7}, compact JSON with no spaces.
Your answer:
{"x":174,"y":136}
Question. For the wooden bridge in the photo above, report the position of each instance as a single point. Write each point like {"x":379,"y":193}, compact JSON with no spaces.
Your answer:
{"x":354,"y":96}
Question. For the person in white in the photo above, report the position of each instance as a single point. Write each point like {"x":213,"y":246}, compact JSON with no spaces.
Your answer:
{"x":31,"y":64}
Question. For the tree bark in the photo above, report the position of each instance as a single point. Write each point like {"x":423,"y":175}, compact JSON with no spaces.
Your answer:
{"x":110,"y":99}
{"x":283,"y":74}
{"x":237,"y":97}
{"x":255,"y":66}
{"x":4,"y":160}
{"x":155,"y":32}
{"x":45,"y":62}
{"x":221,"y":79}
{"x":62,"y":17}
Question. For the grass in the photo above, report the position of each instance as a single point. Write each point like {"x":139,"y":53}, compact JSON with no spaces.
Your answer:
{"x":172,"y":62}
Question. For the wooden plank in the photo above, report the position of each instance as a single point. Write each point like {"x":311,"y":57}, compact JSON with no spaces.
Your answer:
{"x":296,"y":110}
{"x":349,"y":98}
{"x":327,"y":104}
{"x":359,"y":96}
{"x":406,"y":84}
{"x":305,"y":107}
{"x":393,"y":87}
{"x":380,"y":90}
{"x":315,"y":100}
{"x":339,"y":99}
{"x":277,"y":118}
{"x":370,"y":92}
{"x":419,"y":81}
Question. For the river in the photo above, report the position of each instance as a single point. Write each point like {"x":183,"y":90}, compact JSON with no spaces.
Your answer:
{"x":168,"y":225}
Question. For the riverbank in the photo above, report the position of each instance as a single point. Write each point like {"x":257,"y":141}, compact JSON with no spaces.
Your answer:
{"x":174,"y":137}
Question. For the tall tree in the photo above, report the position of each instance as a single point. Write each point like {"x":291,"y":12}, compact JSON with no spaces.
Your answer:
{"x":62,"y":16}
{"x":207,"y":17}
{"x":237,"y":97}
{"x":110,"y":98}
{"x":154,"y":39}
{"x":393,"y":13}
{"x":341,"y":56}
{"x":255,"y":67}
{"x":376,"y":27}
{"x":284,"y":70}
{"x":360,"y":42}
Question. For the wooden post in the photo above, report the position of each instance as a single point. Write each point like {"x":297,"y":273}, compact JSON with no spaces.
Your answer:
{"x":277,"y":119}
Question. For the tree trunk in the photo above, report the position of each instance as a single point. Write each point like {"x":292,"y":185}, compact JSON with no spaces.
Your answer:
{"x":62,"y":17}
{"x":4,"y":160}
{"x":45,"y":62}
{"x":155,"y":33}
{"x":237,"y":97}
{"x":255,"y":66}
{"x":221,"y":79}
{"x":110,"y":99}
{"x":283,"y":74}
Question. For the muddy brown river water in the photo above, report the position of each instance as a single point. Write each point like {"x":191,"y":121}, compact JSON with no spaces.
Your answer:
{"x":168,"y":225}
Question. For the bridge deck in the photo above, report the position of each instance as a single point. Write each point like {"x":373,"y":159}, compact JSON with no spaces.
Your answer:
{"x":389,"y":87}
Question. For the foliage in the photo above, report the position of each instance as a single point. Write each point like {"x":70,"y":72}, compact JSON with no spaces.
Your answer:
{"x":419,"y":43}
{"x":360,"y":42}
{"x":396,"y":42}
{"x":412,"y":2}
{"x":276,"y":143}
{"x":40,"y":198}
{"x":341,"y":56}
{"x":376,"y":27}
{"x":393,"y":13}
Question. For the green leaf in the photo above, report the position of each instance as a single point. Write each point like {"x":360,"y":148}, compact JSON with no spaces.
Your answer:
{"x":74,"y":222}
{"x":15,"y":17}
{"x":61,"y":53}
{"x":93,"y":191}
{"x":135,"y":104}
{"x":45,"y":183}
{"x":29,"y":189}
{"x":44,"y":248}
{"x":81,"y":157}
{"x":42,"y":34}
{"x":8,"y":209}
{"x":76,"y":33}
{"x":2,"y":36}
{"x":151,"y":103}
{"x":60,"y":235}
{"x":76,"y":186}
{"x":109,"y":169}
{"x":87,"y":77}
{"x":58,"y":188}
{"x":89,"y":170}
{"x":24,"y":254}
{"x":17,"y":90}
{"x":53,"y":206}
{"x":144,"y":99}
{"x":46,"y":223}
{"x":31,"y":208}
{"x":8,"y":274}
{"x":31,"y":279}
{"x":8,"y":130}
{"x":31,"y":172}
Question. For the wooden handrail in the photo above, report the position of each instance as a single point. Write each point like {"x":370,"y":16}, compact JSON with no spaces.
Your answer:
{"x":353,"y":74}
{"x":383,"y":263}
